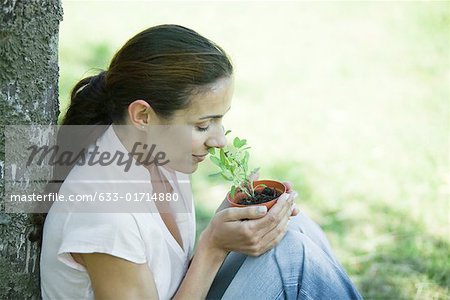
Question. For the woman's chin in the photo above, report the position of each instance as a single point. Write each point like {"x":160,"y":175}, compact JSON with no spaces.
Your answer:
{"x":193,"y":168}
{"x":186,"y":168}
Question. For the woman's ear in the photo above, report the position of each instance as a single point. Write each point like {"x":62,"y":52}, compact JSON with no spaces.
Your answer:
{"x":141,"y":114}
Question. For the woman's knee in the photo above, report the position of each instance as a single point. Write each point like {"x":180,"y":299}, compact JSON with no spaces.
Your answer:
{"x":296,"y":250}
{"x":308,"y":227}
{"x":306,"y":266}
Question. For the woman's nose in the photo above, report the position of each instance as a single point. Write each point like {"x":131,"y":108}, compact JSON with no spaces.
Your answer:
{"x":218,"y":140}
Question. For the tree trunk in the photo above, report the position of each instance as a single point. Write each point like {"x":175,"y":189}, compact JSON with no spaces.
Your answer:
{"x":28,"y":95}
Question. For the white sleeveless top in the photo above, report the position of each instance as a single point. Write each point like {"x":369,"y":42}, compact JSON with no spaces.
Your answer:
{"x":139,"y":237}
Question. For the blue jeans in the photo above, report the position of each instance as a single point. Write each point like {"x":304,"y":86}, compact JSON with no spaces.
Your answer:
{"x":301,"y":266}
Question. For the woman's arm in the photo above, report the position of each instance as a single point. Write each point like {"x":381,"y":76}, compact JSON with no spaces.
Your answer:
{"x":202,"y":270}
{"x":116,"y":278}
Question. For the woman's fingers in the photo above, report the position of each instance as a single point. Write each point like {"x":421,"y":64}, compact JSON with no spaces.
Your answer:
{"x":272,"y":240}
{"x":269,"y":240}
{"x":275,"y":233}
{"x":293,"y":194}
{"x":283,"y":222}
{"x":288,"y":185}
{"x":295,"y":210}
{"x":242,"y":213}
{"x":263,"y":225}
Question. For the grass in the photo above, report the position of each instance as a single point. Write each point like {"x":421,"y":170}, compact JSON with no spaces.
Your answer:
{"x":347,"y":100}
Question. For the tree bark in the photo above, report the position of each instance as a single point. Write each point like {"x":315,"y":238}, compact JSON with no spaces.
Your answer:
{"x":28,"y":95}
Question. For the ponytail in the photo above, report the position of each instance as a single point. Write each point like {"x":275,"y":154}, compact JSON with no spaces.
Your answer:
{"x":90,"y":103}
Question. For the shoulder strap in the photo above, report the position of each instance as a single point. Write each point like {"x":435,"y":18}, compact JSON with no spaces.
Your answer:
{"x":225,"y":275}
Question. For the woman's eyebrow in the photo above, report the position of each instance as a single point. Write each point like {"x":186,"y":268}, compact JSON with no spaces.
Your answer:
{"x":213,"y":116}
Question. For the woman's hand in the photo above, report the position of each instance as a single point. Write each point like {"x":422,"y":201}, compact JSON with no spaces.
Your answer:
{"x":249,"y":230}
{"x":293,"y":194}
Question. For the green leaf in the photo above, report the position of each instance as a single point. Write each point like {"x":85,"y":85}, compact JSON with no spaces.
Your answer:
{"x":227,"y":176}
{"x":238,"y":143}
{"x":222,"y":157}
{"x":246,"y":156}
{"x":245,"y":161}
{"x":227,"y":132}
{"x":216,"y":161}
{"x":212,"y":151}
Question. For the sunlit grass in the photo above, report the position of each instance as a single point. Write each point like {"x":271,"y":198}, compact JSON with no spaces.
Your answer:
{"x":349,"y":101}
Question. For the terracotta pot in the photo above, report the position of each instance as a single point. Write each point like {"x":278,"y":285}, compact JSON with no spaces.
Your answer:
{"x":279,"y":186}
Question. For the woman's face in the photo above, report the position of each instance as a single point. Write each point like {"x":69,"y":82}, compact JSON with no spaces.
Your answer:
{"x":204,"y":120}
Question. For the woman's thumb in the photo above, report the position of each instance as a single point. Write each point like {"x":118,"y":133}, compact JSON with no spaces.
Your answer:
{"x":241,"y":213}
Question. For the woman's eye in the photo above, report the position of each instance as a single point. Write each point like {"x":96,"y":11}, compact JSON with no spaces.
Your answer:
{"x":199,"y":128}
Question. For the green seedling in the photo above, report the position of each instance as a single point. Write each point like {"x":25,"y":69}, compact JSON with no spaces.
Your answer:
{"x":233,"y":163}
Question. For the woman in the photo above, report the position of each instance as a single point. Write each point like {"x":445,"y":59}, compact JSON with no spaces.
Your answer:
{"x":171,"y":75}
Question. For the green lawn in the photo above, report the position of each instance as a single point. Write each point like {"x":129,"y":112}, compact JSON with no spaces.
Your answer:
{"x":349,"y":101}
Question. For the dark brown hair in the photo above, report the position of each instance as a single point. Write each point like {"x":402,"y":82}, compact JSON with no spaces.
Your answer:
{"x":163,"y":65}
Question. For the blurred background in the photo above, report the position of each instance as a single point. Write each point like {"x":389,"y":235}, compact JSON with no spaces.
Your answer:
{"x":347,"y":100}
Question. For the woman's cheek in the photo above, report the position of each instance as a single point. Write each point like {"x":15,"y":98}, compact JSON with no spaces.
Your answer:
{"x":197,"y":141}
